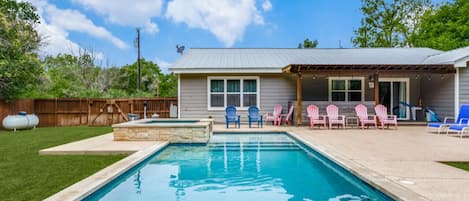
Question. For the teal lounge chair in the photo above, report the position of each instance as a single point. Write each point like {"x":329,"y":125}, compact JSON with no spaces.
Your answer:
{"x":231,"y":116}
{"x":253,"y":116}
{"x":463,"y":119}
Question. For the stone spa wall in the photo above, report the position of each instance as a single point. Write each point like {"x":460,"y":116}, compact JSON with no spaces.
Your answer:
{"x":199,"y":132}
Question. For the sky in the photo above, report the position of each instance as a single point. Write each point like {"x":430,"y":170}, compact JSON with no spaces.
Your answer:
{"x":108,"y":27}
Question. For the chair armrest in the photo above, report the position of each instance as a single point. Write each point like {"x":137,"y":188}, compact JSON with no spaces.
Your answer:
{"x":342,"y":117}
{"x":464,"y":119}
{"x":447,"y":118}
{"x":394,"y":117}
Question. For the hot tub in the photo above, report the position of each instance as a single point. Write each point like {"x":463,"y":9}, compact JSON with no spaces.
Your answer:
{"x":172,"y":130}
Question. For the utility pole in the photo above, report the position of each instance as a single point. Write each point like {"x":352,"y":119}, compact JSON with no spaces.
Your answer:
{"x":138,"y":60}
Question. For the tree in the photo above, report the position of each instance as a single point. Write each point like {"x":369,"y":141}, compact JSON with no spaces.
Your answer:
{"x":445,"y":28}
{"x":19,"y":42}
{"x":168,"y":85}
{"x":308,"y":44}
{"x":389,"y":23}
{"x":150,"y":79}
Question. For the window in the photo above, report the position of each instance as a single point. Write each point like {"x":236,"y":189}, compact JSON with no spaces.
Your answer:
{"x":345,"y":89}
{"x":241,"y":92}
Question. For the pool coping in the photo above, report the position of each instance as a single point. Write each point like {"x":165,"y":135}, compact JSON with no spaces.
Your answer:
{"x":376,"y":180}
{"x":85,"y":187}
{"x":141,"y":123}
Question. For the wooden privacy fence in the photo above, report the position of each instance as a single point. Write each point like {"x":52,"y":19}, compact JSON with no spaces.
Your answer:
{"x":91,"y":112}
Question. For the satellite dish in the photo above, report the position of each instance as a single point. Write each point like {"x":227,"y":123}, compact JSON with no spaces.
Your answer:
{"x":180,"y":49}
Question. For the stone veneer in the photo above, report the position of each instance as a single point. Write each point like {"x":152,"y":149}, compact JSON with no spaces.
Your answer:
{"x":199,"y":132}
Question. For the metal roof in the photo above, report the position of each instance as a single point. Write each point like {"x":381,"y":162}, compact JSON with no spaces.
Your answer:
{"x":272,"y":60}
{"x":459,"y":57}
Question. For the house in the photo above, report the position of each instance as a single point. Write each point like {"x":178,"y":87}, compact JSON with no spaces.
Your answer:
{"x":212,"y":78}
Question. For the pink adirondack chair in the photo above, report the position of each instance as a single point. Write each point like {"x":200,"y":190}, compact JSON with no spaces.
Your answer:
{"x":333,"y":116}
{"x":274,"y":117}
{"x":384,"y":118}
{"x":364,"y":118}
{"x":288,"y":117}
{"x":314,"y":117}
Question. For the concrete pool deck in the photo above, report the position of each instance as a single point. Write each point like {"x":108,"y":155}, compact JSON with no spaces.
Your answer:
{"x":403,"y":161}
{"x":99,"y":145}
{"x":407,"y":157}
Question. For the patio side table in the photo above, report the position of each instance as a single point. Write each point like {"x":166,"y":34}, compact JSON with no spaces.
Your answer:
{"x":351,"y":121}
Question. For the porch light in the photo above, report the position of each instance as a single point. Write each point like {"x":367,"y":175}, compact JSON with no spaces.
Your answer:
{"x":371,"y":83}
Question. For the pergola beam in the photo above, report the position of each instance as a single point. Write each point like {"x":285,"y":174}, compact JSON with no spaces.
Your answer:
{"x":370,"y":69}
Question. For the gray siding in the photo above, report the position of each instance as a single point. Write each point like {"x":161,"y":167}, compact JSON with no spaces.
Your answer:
{"x":274,"y":89}
{"x":437,"y":92}
{"x":281,"y":89}
{"x":463,"y":86}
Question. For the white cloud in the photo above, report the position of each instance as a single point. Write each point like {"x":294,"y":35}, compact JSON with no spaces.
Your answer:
{"x":226,"y":19}
{"x":73,"y":20}
{"x":266,"y":6}
{"x":55,"y":33}
{"x":127,"y":12}
{"x":164,"y":65}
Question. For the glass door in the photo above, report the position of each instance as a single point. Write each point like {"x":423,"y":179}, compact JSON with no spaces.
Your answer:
{"x":393,"y":93}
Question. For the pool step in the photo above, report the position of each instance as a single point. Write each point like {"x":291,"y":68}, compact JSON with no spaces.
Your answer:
{"x":254,"y":146}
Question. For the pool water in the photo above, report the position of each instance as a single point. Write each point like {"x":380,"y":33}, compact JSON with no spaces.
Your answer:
{"x":239,"y":167}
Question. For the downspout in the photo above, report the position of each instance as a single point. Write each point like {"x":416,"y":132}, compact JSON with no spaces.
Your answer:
{"x":179,"y":95}
{"x":456,"y":94}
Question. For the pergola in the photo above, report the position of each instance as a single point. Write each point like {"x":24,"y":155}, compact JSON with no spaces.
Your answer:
{"x":374,"y":70}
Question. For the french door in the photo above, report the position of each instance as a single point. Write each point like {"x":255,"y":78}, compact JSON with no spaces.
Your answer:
{"x":394,"y":94}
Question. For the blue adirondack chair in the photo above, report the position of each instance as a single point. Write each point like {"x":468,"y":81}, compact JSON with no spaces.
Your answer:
{"x":253,"y":116}
{"x":463,"y":118}
{"x":231,"y":116}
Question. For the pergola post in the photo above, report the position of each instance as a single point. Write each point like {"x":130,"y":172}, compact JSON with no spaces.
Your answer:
{"x":376,"y":87}
{"x":299,"y":89}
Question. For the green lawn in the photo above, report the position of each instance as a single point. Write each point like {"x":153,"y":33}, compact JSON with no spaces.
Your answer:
{"x":25,"y":175}
{"x":460,"y":165}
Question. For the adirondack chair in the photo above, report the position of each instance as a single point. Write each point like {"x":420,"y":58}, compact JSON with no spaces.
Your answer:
{"x":274,"y":117}
{"x":231,"y":116}
{"x":333,"y":116}
{"x":314,"y":117}
{"x":383,"y":117}
{"x":364,"y":118}
{"x":288,"y":117}
{"x":253,"y":116}
{"x":463,"y":118}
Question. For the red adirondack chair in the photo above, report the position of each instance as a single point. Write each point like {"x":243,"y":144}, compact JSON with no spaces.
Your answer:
{"x":274,"y":117}
{"x":288,"y":117}
{"x":314,"y":117}
{"x":333,"y":116}
{"x":364,"y":118}
{"x":384,"y":118}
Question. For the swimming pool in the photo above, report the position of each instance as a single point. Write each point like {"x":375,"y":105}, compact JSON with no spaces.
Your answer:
{"x":238,"y":167}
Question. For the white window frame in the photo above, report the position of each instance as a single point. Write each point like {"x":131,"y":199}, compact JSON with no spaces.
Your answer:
{"x":362,"y":90}
{"x":241,"y":79}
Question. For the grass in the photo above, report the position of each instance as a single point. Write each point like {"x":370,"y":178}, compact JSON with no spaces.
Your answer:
{"x":26,"y":175}
{"x":460,"y":165}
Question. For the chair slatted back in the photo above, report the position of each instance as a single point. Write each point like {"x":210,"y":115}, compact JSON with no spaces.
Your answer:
{"x":381,"y":111}
{"x":313,"y":111}
{"x":231,"y":112}
{"x":332,"y":112}
{"x":362,"y":111}
{"x":253,"y":112}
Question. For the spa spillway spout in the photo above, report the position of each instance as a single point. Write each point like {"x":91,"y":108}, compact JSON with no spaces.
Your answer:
{"x":145,"y":104}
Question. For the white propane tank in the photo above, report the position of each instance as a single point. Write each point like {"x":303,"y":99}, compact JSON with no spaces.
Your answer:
{"x":20,"y":121}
